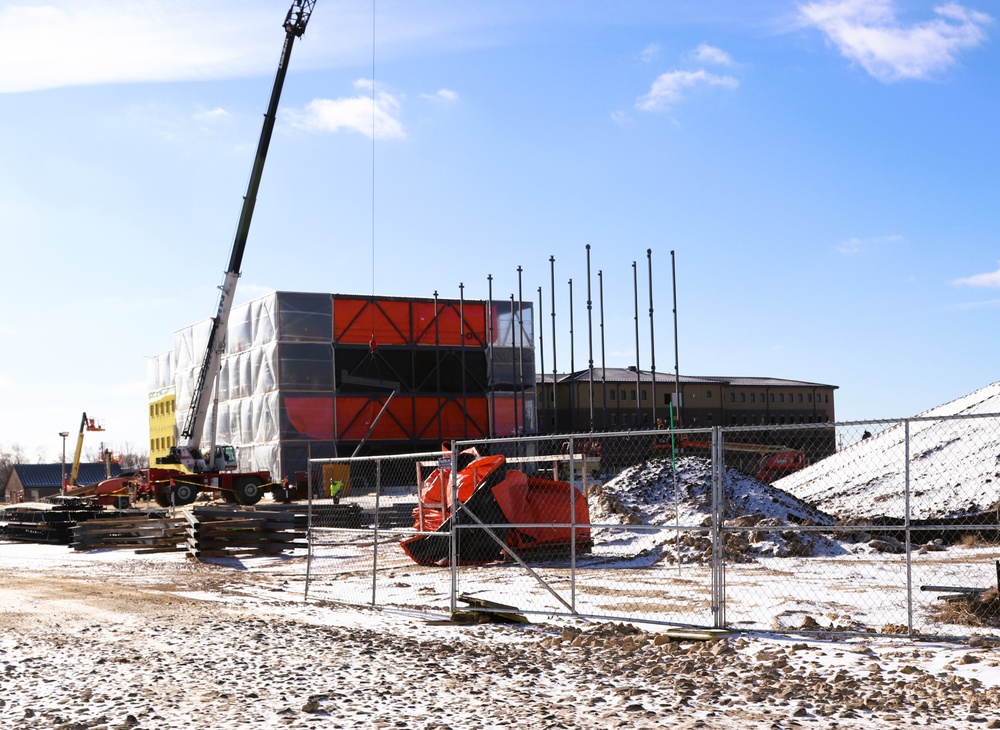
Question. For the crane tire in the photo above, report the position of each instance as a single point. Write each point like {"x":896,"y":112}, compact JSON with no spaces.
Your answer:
{"x":248,"y":490}
{"x":185,"y":493}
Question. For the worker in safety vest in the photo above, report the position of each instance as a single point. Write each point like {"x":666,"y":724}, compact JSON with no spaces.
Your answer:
{"x":335,"y":487}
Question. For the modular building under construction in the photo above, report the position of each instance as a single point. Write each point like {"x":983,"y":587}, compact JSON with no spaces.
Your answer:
{"x":322,"y":374}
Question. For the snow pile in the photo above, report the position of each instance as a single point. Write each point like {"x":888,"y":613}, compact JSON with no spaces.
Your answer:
{"x":954,"y":466}
{"x":653,"y":495}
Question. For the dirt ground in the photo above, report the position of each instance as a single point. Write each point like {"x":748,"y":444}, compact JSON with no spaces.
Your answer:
{"x":147,"y":642}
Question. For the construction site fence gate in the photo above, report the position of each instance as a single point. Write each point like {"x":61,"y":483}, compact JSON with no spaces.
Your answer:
{"x":863,"y":527}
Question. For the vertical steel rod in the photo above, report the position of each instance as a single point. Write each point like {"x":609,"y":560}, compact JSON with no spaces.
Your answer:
{"x":492,"y":366}
{"x":677,"y":367}
{"x":638,"y":382}
{"x":540,"y":399}
{"x":652,"y":340}
{"x":555,"y":372}
{"x":604,"y":374}
{"x":590,"y":341}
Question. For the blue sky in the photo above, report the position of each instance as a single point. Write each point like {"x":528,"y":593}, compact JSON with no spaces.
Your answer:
{"x":827,"y":172}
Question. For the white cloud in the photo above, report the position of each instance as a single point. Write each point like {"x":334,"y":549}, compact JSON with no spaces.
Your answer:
{"x":649,"y":53}
{"x":210,"y":115}
{"x":868,"y":32}
{"x":378,"y":118}
{"x":668,"y":88}
{"x":705,"y":53}
{"x":443,"y":95}
{"x":855,"y":245}
{"x":101,"y":41}
{"x":990,"y":280}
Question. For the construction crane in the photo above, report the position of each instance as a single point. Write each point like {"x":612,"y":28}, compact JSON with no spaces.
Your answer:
{"x":215,"y":465}
{"x":86,"y":424}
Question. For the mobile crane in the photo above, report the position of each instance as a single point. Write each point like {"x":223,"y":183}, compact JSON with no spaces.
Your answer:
{"x":215,"y":467}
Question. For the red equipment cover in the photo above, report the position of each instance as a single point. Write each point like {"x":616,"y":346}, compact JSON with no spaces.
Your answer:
{"x":526,"y":500}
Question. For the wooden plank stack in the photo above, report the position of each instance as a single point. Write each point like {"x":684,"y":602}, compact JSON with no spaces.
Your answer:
{"x":139,"y":532}
{"x":213,"y":533}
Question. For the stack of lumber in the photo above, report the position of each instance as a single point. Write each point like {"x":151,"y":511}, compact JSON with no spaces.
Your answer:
{"x":231,"y":533}
{"x":41,"y":522}
{"x":139,"y":532}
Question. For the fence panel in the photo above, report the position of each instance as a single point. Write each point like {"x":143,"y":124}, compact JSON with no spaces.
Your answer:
{"x":879,"y":526}
{"x":362,"y":511}
{"x":596,"y":526}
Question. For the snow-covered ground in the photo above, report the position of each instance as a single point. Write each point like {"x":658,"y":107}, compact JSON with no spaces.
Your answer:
{"x":111,"y":639}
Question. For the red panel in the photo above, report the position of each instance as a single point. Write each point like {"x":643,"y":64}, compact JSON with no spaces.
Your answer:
{"x":408,"y":321}
{"x":449,"y":331}
{"x":356,"y":414}
{"x":310,"y":416}
{"x":355,"y":417}
{"x":504,"y":409}
{"x":355,"y":321}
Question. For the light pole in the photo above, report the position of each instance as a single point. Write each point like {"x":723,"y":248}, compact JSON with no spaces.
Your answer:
{"x":64,"y":434}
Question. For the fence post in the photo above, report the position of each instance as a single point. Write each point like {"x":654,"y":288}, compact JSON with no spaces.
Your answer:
{"x":310,"y":534}
{"x":718,"y":543}
{"x":378,"y":492}
{"x":906,"y":527}
{"x":453,"y":537}
{"x":572,"y":521}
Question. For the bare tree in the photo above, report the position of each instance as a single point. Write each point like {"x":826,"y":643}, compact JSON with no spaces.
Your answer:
{"x":9,"y":456}
{"x":133,"y":458}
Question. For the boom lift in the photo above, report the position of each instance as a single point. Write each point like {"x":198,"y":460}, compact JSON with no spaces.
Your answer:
{"x":86,"y":424}
{"x":215,"y":467}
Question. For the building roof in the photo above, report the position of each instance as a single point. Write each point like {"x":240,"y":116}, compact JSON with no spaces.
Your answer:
{"x":34,"y":476}
{"x":628,"y":375}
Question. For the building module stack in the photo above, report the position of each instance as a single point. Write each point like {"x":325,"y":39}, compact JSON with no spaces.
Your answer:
{"x":309,"y":373}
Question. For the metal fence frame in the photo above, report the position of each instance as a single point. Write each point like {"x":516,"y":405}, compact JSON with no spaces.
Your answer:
{"x":719,"y":529}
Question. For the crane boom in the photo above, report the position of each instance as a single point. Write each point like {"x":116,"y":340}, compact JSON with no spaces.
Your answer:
{"x":295,"y":25}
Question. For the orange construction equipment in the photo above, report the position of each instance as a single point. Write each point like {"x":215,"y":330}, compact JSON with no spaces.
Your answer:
{"x":524,"y":513}
{"x":774,"y":463}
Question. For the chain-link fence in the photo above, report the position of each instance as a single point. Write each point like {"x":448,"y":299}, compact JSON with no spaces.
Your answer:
{"x":882,"y":526}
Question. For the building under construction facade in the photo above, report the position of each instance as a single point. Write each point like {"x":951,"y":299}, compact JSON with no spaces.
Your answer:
{"x":330,"y":374}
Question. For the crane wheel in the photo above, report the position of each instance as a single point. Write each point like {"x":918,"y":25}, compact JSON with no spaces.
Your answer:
{"x":185,"y":494}
{"x":248,"y":490}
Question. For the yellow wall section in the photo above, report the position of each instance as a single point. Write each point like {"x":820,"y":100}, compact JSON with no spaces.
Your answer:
{"x":162,"y":420}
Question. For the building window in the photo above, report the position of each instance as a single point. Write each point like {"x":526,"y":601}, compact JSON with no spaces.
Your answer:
{"x":732,"y":397}
{"x":708,"y":394}
{"x":612,"y":395}
{"x":623,"y":394}
{"x":666,"y":399}
{"x":643,"y":394}
{"x":800,"y":397}
{"x":633,"y":393}
{"x":614,"y":420}
{"x":710,"y":418}
{"x":809,"y":397}
{"x":781,"y":397}
{"x":771,"y":397}
{"x":743,"y":397}
{"x":753,"y":397}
